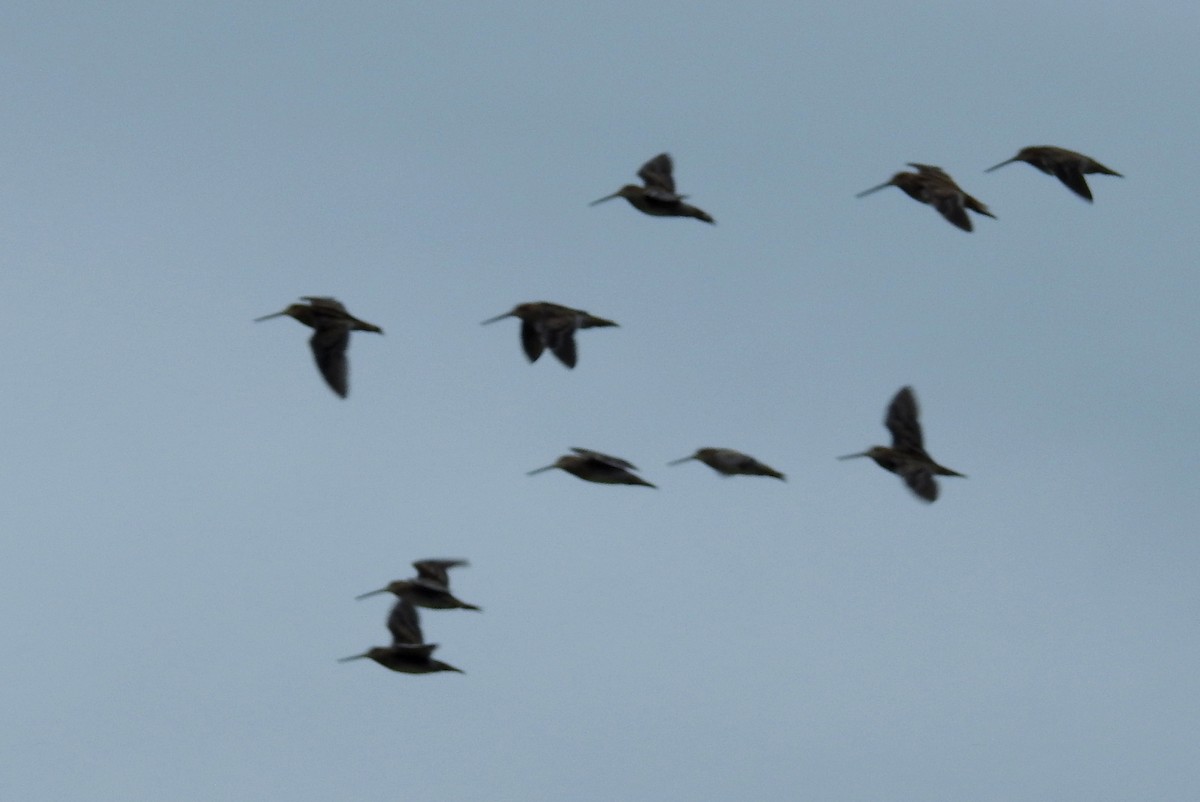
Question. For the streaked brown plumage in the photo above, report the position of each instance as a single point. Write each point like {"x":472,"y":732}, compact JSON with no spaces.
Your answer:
{"x":592,"y":466}
{"x":430,"y":588}
{"x":728,"y":462}
{"x":658,"y":196}
{"x":1066,"y":165}
{"x":934,"y":186}
{"x":408,"y":654}
{"x":907,"y":456}
{"x":546,"y":325}
{"x":329,"y":342}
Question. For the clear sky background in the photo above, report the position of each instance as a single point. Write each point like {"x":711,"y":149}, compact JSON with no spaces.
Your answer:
{"x":189,"y":512}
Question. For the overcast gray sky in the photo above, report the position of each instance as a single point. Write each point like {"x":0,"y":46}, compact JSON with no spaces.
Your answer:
{"x":189,"y":511}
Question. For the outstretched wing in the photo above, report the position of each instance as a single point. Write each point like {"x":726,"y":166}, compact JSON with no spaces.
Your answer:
{"x":1070,"y":175}
{"x":949,"y":202}
{"x":656,"y":174}
{"x":405,"y":625}
{"x":558,"y":333}
{"x":902,"y":422}
{"x":919,"y":479}
{"x":531,"y":340}
{"x":436,"y":570}
{"x":329,"y":349}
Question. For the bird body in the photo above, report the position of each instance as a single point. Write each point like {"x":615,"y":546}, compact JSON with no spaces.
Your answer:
{"x":657,"y":196}
{"x":592,"y":466}
{"x":934,"y":186}
{"x":728,"y":462}
{"x":408,"y":654}
{"x":332,"y":325}
{"x":1067,"y":166}
{"x":546,"y":325}
{"x":430,"y":588}
{"x":907,"y":456}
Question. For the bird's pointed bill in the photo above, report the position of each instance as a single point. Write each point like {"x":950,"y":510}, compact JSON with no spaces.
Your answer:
{"x":542,"y":470}
{"x":605,"y":198}
{"x":866,"y":192}
{"x":372,"y":593}
{"x":268,"y":317}
{"x":1001,"y":164}
{"x":681,"y":460}
{"x":852,"y":456}
{"x":497,"y":317}
{"x":352,"y":657}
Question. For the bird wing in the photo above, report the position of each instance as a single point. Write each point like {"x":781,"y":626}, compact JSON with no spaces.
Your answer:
{"x":902,"y":422}
{"x":1070,"y":175}
{"x":324,"y":301}
{"x":656,"y":174}
{"x":613,"y":462}
{"x":949,"y":202}
{"x":531,"y":340}
{"x":558,"y":333}
{"x":919,"y":480}
{"x":436,"y":570}
{"x":405,"y":625}
{"x":329,"y":349}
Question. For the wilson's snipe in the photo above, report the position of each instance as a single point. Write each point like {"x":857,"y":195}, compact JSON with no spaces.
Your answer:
{"x":907,"y":456}
{"x":728,"y":462}
{"x":430,"y":588}
{"x":546,"y":325}
{"x":658,"y":196}
{"x":408,"y":654}
{"x":1067,"y":165}
{"x":333,"y":325}
{"x":592,"y":466}
{"x":934,"y":186}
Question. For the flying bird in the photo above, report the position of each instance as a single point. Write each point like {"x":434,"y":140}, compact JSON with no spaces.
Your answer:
{"x":331,"y":338}
{"x":408,"y":654}
{"x":728,"y":462}
{"x":933,"y":185}
{"x":546,"y":325}
{"x":592,"y":466}
{"x":429,"y":588}
{"x":907,"y":456}
{"x":657,"y":197}
{"x":1067,"y":165}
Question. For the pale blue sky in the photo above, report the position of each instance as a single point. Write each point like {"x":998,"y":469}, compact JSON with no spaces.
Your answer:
{"x":190,"y":511}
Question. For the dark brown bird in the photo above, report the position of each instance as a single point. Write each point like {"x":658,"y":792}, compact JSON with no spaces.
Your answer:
{"x":592,"y":466}
{"x":329,"y":342}
{"x":1067,"y":165}
{"x":430,"y":588}
{"x":934,"y":186}
{"x":658,"y":196}
{"x":546,"y":325}
{"x":907,"y":456}
{"x":408,"y":654}
{"x":728,"y":462}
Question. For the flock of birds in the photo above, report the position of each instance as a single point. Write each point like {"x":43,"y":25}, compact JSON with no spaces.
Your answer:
{"x":549,"y":326}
